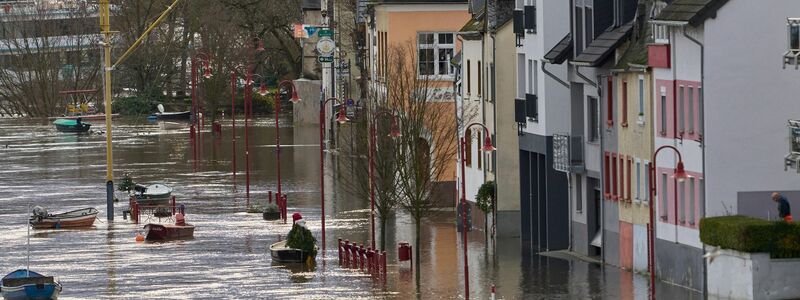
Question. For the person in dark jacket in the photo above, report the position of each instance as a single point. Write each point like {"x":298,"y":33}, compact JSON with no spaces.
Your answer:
{"x":784,"y":210}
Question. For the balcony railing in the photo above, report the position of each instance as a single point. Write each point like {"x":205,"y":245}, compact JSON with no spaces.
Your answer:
{"x":568,"y":153}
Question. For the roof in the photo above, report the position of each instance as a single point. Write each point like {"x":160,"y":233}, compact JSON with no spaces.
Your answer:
{"x":603,"y":46}
{"x":561,"y":52}
{"x":692,"y":12}
{"x":636,"y":52}
{"x":477,"y":23}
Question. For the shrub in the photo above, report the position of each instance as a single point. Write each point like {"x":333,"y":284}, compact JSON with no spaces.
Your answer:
{"x":746,"y":234}
{"x":301,"y":238}
{"x":485,"y":196}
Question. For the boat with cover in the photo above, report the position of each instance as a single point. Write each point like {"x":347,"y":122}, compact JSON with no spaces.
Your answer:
{"x":79,"y":218}
{"x":152,"y":195}
{"x":177,"y":115}
{"x":283,"y":254}
{"x":66,"y":125}
{"x":25,"y":284}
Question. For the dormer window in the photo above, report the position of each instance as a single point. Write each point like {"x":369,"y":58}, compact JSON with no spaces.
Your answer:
{"x":793,"y":32}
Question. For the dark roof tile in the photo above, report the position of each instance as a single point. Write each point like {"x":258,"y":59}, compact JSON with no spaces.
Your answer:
{"x":692,"y":12}
{"x":604,"y":45}
{"x":561,"y":52}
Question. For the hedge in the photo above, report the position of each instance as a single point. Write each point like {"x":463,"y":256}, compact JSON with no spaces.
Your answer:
{"x":746,"y":234}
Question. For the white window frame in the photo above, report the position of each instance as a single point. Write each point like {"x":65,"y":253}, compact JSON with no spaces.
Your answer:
{"x":646,"y":197}
{"x":638,"y":197}
{"x":662,"y":116}
{"x":521,"y":76}
{"x":436,"y":46}
{"x":681,"y":110}
{"x":663,"y":197}
{"x":691,"y":110}
{"x":682,"y":202}
{"x":692,"y":198}
{"x":640,"y":116}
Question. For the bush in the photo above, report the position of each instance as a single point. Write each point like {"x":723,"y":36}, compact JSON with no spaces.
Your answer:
{"x":301,"y":238}
{"x":485,"y":196}
{"x":746,"y":234}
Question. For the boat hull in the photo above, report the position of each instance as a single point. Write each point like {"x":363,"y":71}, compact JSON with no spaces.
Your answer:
{"x":97,"y":117}
{"x":183,"y":115}
{"x":75,"y":219}
{"x":18,"y":286}
{"x":282,"y":254}
{"x":155,"y":232}
{"x":153,"y":200}
{"x":83,"y":127}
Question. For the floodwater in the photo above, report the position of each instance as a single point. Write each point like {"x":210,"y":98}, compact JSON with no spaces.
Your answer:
{"x":228,"y":257}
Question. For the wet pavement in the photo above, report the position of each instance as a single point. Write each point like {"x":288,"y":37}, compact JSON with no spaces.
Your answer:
{"x":229,"y":257}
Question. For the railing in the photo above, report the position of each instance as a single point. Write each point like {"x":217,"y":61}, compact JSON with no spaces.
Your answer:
{"x":660,"y":32}
{"x":365,"y":259}
{"x":568,"y":153}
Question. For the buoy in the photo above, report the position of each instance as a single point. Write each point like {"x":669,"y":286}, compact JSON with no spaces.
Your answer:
{"x":139,"y":237}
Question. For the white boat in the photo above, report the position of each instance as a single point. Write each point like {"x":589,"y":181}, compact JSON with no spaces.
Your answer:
{"x":170,"y":125}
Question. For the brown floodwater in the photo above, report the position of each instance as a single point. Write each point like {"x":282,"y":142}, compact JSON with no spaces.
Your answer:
{"x":228,"y":256}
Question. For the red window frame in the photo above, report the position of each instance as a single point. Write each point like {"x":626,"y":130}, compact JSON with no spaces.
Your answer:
{"x":624,"y":104}
{"x":630,"y":167}
{"x":615,"y":192}
{"x":607,"y":183}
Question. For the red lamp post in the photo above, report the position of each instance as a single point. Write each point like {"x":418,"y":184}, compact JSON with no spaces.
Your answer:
{"x":248,"y":110}
{"x":295,"y":98}
{"x":204,"y":58}
{"x":233,"y":124}
{"x":394,"y":134}
{"x":341,"y":118}
{"x":680,"y":175}
{"x":487,"y":147}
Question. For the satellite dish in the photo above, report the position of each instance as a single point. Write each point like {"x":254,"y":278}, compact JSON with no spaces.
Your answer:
{"x":161,"y":108}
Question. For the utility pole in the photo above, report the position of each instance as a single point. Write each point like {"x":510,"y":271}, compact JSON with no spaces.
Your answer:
{"x":105,"y":27}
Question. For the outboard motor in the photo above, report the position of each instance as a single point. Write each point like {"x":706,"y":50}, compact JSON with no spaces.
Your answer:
{"x":39,"y":212}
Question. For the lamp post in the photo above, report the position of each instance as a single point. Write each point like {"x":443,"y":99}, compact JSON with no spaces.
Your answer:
{"x":248,"y":101}
{"x":680,"y":175}
{"x":205,"y":59}
{"x":394,"y":134}
{"x":294,"y":99}
{"x":341,"y":118}
{"x":233,"y":125}
{"x":487,"y":147}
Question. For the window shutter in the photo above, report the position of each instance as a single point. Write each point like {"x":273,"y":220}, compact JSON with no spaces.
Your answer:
{"x":519,"y":25}
{"x":530,"y":18}
{"x":519,"y":111}
{"x":531,"y":106}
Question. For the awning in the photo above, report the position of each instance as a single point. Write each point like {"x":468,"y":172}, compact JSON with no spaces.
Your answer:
{"x":603,"y":46}
{"x":561,"y":52}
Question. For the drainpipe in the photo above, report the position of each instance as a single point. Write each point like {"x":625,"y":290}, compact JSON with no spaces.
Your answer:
{"x":589,"y":81}
{"x":494,"y":125}
{"x":602,"y":172}
{"x":551,"y":75}
{"x":702,"y":141}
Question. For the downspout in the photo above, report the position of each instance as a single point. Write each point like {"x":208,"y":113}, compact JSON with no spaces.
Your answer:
{"x":589,"y":81}
{"x":494,"y":124}
{"x":602,"y":208}
{"x":551,"y":75}
{"x":702,"y":142}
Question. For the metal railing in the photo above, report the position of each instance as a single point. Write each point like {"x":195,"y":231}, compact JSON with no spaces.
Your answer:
{"x":568,"y":153}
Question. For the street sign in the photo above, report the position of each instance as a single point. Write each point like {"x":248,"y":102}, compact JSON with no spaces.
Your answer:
{"x":325,"y":59}
{"x":326,"y":46}
{"x":325,"y":32}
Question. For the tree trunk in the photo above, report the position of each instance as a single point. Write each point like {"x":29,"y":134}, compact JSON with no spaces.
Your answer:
{"x":417,"y":222}
{"x":383,"y":234}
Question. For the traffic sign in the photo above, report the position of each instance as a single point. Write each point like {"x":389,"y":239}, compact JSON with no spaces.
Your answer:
{"x":325,"y":59}
{"x":325,"y":32}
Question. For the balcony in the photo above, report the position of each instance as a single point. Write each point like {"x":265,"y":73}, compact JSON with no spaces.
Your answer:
{"x":568,"y":153}
{"x":792,"y":160}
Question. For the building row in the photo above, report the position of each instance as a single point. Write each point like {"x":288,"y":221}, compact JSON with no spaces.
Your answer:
{"x":594,"y":105}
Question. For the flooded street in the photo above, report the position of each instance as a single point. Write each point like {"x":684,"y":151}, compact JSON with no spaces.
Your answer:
{"x":229,"y":257}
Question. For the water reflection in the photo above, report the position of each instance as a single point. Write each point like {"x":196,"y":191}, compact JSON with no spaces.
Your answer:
{"x":229,"y":257}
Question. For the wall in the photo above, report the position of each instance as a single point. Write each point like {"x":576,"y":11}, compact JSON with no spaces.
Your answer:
{"x":306,"y":112}
{"x":738,"y":275}
{"x":508,"y":185}
{"x":749,"y":98}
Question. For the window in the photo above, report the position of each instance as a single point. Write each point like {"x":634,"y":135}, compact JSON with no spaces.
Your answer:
{"x":701,"y":195}
{"x":630,"y":178}
{"x":610,"y":101}
{"x":588,"y":22}
{"x":700,"y":111}
{"x":607,"y":177}
{"x":691,"y":110}
{"x":794,"y":35}
{"x":578,"y":193}
{"x":614,"y":176}
{"x":681,"y":112}
{"x":531,"y":82}
{"x":469,"y":77}
{"x":663,"y":197}
{"x":435,"y":51}
{"x":578,"y":29}
{"x":641,"y":99}
{"x":468,"y":147}
{"x":624,"y":104}
{"x":682,"y":201}
{"x":663,"y":130}
{"x":638,"y":179}
{"x":646,"y":196}
{"x":479,"y":152}
{"x":584,"y":25}
{"x":521,"y":76}
{"x":691,"y":201}
{"x":594,"y":119}
{"x":480,"y":79}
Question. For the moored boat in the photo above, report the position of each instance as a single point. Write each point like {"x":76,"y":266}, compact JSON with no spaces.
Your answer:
{"x":177,"y":115}
{"x":168,"y":231}
{"x":80,"y":218}
{"x":66,"y":125}
{"x":25,"y":284}
{"x":93,"y":117}
{"x":156,"y":194}
{"x":283,"y":254}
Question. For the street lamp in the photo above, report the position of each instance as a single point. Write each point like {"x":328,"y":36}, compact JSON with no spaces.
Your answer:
{"x":204,"y":58}
{"x":394,"y":134}
{"x":294,"y":99}
{"x":680,"y":175}
{"x":487,"y":147}
{"x":248,"y":109}
{"x":342,"y":118}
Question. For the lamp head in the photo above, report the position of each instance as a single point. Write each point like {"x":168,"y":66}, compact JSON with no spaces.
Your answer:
{"x":680,"y":173}
{"x":394,"y":133}
{"x":487,"y":145}
{"x":342,"y":118}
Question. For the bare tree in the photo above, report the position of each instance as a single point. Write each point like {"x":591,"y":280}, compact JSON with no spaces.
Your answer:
{"x":46,"y":49}
{"x":426,"y":151}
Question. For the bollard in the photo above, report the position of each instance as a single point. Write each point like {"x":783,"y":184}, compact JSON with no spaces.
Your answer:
{"x":362,"y":253}
{"x":173,"y":205}
{"x":383,"y":263}
{"x":493,"y":292}
{"x":353,"y":257}
{"x":346,"y":253}
{"x":270,"y":197}
{"x":370,"y":257}
{"x":340,"y":251}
